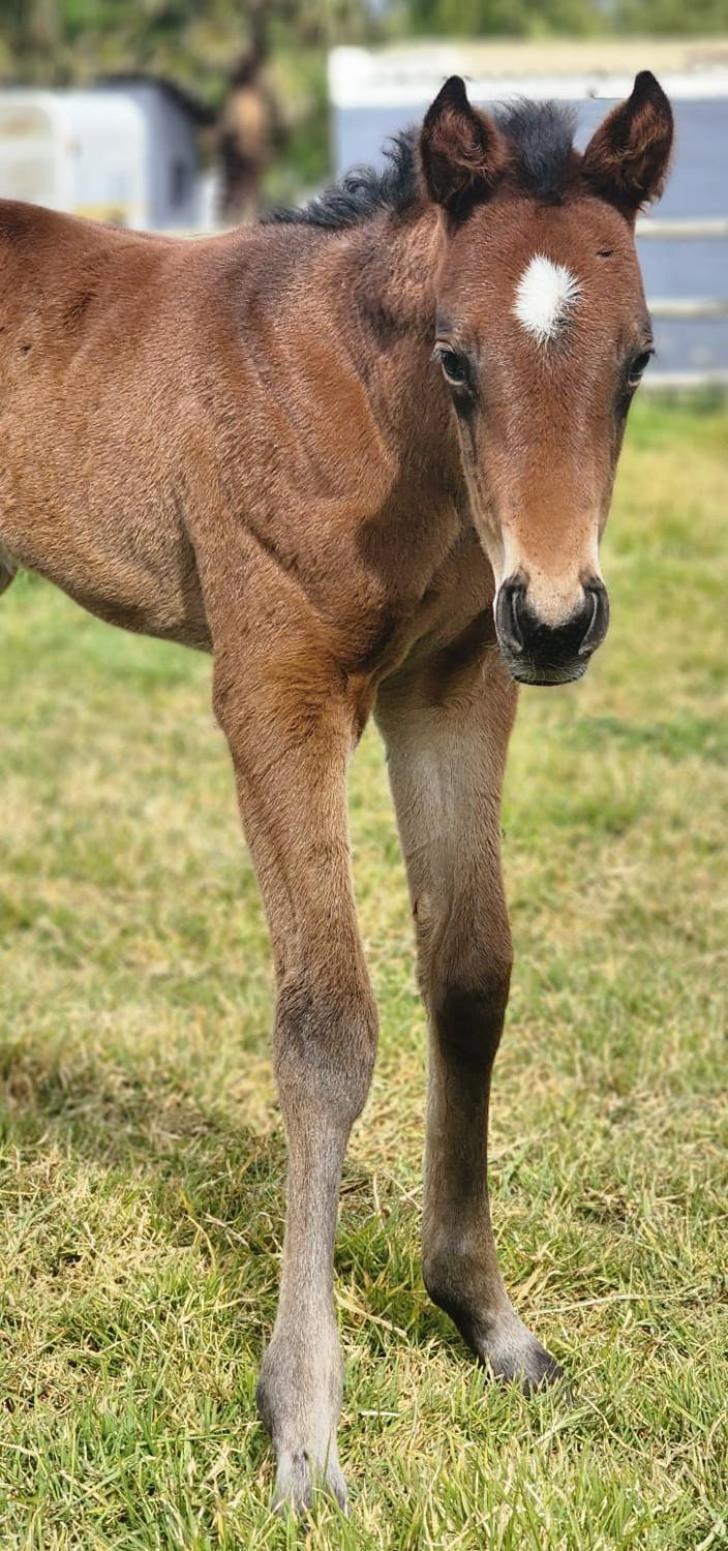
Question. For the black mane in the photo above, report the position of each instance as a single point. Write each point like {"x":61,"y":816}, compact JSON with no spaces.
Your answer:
{"x":364,"y":191}
{"x":540,"y":136}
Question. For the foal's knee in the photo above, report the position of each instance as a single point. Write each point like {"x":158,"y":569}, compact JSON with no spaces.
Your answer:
{"x":325,"y":1045}
{"x":468,"y":1007}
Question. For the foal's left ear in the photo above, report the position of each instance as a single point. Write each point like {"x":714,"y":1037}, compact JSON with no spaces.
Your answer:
{"x":463,"y":154}
{"x":627,"y":159}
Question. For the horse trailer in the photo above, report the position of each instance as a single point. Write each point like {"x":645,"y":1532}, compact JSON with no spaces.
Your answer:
{"x":126,"y":153}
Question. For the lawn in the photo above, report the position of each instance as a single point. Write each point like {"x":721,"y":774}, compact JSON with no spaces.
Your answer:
{"x":142,"y":1157}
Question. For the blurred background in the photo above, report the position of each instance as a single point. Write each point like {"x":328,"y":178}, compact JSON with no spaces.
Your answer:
{"x":187,"y":114}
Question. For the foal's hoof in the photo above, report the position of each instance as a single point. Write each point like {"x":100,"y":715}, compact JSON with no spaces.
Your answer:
{"x":299,"y":1481}
{"x":534,"y":1369}
{"x":301,"y":1419}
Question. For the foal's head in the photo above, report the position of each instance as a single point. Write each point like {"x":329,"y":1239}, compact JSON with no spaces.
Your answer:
{"x":543,"y":335}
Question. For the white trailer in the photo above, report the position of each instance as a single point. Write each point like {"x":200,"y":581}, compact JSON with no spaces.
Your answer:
{"x":79,"y":151}
{"x":125,"y":152}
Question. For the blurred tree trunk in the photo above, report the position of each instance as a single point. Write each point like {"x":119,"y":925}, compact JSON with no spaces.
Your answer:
{"x":38,"y":40}
{"x":246,"y":128}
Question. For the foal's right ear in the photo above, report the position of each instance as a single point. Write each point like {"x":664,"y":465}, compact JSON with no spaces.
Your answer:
{"x":463,"y":154}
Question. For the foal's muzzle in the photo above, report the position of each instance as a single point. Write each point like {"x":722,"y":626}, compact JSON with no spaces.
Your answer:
{"x":539,"y":653}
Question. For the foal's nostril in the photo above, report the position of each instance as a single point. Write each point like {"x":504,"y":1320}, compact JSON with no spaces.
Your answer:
{"x":515,"y":595}
{"x":508,"y":615}
{"x":597,"y":617}
{"x":592,"y":605}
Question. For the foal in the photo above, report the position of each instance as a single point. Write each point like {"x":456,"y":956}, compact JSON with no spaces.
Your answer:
{"x":364,"y":455}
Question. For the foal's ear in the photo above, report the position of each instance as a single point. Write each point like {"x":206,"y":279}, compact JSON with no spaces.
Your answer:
{"x":627,"y":159}
{"x":463,"y":155}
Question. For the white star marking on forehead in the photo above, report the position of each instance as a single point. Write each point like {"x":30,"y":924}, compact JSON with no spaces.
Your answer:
{"x":545,"y":295}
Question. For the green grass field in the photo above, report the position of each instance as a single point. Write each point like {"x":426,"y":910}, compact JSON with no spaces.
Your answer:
{"x":142,"y":1157}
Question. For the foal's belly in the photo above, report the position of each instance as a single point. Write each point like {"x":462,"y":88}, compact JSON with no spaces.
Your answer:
{"x":172,"y":614}
{"x":139,"y":576}
{"x":83,"y":504}
{"x":89,"y":485}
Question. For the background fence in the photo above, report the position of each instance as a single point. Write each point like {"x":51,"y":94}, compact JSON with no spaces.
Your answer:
{"x":687,"y":308}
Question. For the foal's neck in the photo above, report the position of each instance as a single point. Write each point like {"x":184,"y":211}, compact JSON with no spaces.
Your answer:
{"x":392,"y":263}
{"x":388,"y":268}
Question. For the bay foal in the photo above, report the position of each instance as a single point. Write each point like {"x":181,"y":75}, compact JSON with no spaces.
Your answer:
{"x":364,"y":455}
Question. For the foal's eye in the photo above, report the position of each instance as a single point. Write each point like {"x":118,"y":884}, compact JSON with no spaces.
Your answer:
{"x":637,"y":367}
{"x":454,"y":366}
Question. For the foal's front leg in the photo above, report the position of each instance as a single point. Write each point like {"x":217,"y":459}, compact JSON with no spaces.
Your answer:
{"x":446,"y":731}
{"x":290,"y":743}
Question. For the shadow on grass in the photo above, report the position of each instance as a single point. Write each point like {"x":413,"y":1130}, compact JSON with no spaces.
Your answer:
{"x":206,"y":1177}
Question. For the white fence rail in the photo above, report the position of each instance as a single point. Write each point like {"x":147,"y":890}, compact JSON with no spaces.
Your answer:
{"x":685,"y":382}
{"x":689,"y":309}
{"x":684,"y":226}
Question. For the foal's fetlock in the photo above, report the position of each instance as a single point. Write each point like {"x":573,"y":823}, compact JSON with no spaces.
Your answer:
{"x":490,"y":1325}
{"x":299,"y":1407}
{"x":513,"y":1354}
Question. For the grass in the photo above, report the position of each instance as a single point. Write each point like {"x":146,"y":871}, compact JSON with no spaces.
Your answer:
{"x":142,"y":1160}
